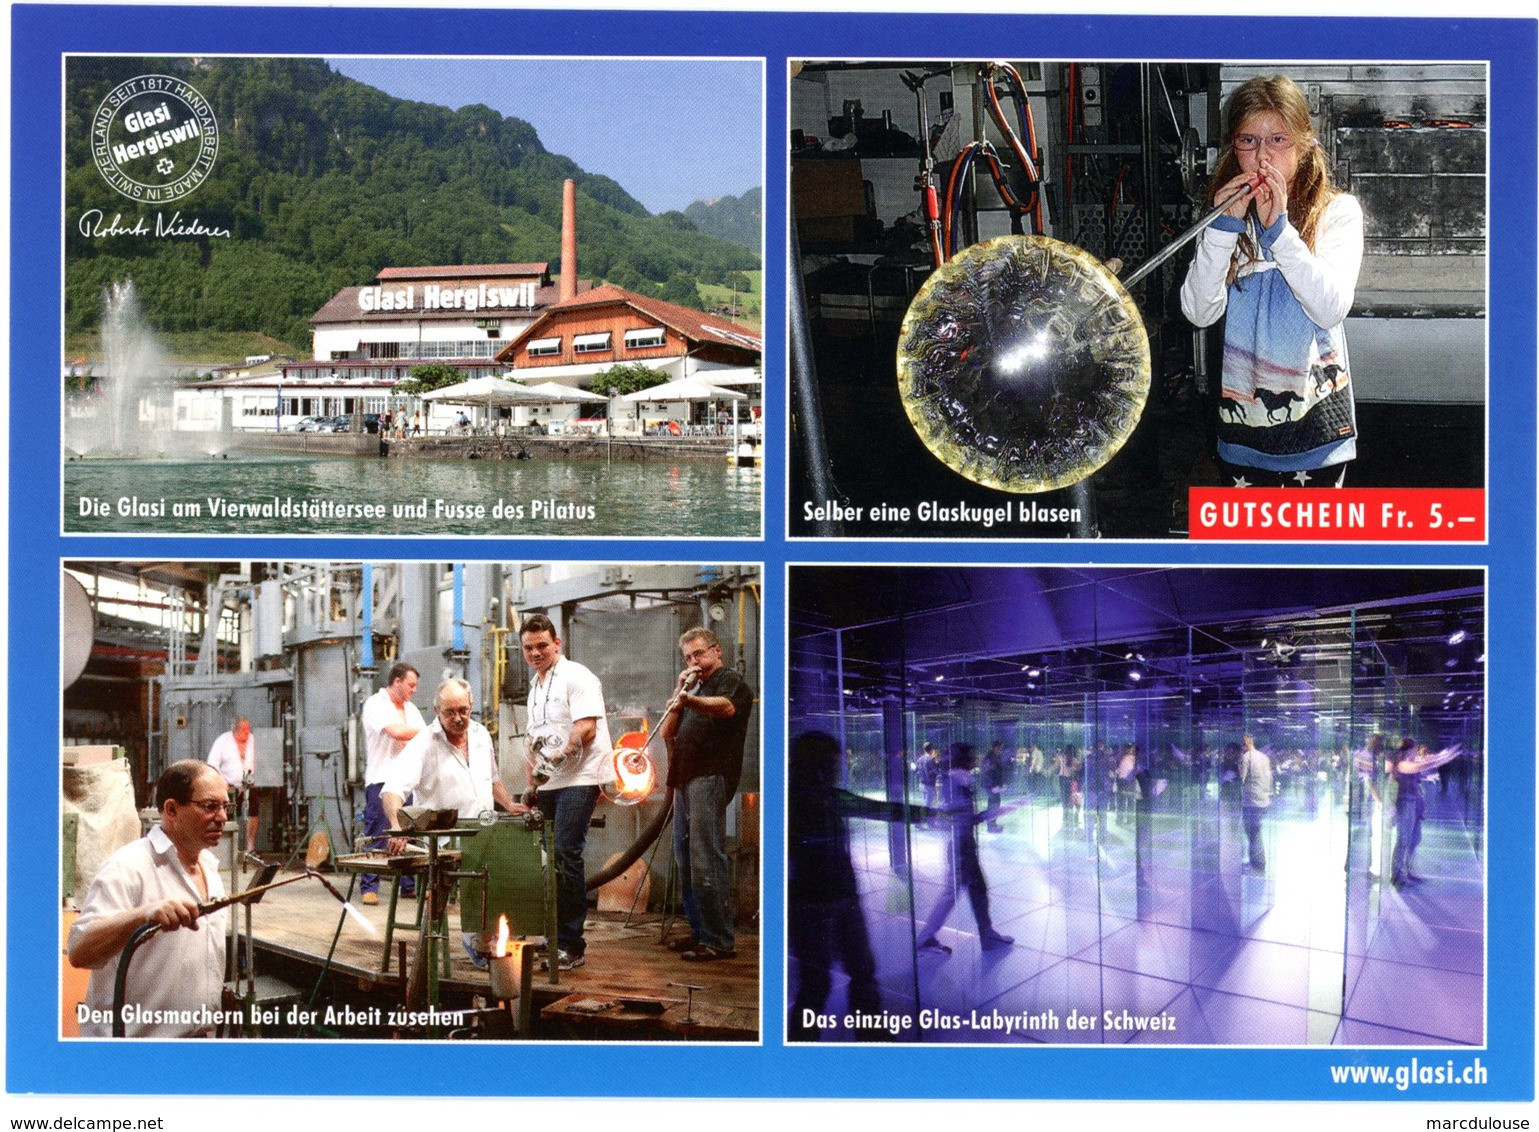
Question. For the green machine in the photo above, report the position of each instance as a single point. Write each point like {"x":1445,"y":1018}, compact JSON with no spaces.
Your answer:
{"x":513,"y":853}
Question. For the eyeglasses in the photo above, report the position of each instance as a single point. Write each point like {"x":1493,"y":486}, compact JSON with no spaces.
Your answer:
{"x":1246,"y":143}
{"x":456,"y":711}
{"x":209,"y":808}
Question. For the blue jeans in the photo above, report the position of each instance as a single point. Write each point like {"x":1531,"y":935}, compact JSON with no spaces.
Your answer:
{"x":1408,"y":814}
{"x":963,"y":871}
{"x":700,"y":849}
{"x":374,"y":824}
{"x":1253,"y":816}
{"x":568,"y":811}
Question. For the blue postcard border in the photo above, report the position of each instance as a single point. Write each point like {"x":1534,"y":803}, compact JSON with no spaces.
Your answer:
{"x":38,"y":1062}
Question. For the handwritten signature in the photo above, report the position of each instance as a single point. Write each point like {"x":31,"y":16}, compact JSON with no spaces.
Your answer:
{"x":94,"y":225}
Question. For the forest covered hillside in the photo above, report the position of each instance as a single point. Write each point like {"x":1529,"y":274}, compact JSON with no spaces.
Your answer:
{"x":320,"y":181}
{"x":738,"y":219}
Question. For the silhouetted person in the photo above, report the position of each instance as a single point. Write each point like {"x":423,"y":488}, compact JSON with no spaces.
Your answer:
{"x":825,"y":921}
{"x":996,"y":770}
{"x":1410,"y":809}
{"x":1067,"y":766}
{"x":962,"y":865}
{"x":1255,"y":798}
{"x":929,"y":773}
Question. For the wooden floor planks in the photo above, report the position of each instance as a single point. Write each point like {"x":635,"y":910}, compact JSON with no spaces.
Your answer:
{"x":623,"y":961}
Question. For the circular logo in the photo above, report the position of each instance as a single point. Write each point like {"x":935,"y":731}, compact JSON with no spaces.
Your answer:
{"x":154,"y":138}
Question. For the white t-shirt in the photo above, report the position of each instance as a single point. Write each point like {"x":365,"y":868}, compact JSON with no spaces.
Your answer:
{"x":565,"y":694}
{"x":225,"y":756}
{"x":379,"y":712}
{"x":440,"y":776}
{"x":180,"y":971}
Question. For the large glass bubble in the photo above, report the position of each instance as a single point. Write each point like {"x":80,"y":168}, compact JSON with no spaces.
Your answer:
{"x":631,"y":777}
{"x":1023,"y":364}
{"x":547,"y":755}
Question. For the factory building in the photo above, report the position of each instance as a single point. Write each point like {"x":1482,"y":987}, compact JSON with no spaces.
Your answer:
{"x":574,"y":341}
{"x":165,"y":659}
{"x":366,"y":339}
{"x":577,"y":338}
{"x":439,"y":314}
{"x":484,"y":320}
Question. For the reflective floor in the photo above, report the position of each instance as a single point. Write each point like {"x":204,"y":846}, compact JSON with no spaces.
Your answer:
{"x":1193,"y":948}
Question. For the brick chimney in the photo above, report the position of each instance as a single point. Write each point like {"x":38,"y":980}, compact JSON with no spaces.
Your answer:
{"x":568,"y":240}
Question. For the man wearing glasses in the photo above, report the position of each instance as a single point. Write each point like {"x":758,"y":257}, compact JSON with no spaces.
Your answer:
{"x":175,"y":983}
{"x":705,"y":762}
{"x":450,"y":764}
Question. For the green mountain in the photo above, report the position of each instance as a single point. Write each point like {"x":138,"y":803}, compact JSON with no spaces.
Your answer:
{"x":739,"y":220}
{"x":321,"y":181}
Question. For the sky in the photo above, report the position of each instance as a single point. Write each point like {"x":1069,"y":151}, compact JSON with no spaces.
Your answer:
{"x":671,"y":132}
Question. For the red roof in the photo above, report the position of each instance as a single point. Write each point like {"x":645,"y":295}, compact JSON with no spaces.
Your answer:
{"x":696,"y":326}
{"x":468,"y":271}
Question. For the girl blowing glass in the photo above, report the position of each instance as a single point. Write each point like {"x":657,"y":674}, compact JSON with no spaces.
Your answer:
{"x":1281,"y":262}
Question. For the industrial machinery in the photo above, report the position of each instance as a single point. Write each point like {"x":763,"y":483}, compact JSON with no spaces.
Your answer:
{"x":297,"y":647}
{"x":314,"y":641}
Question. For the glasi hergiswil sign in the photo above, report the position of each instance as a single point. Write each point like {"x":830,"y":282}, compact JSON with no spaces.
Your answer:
{"x":154,"y":138}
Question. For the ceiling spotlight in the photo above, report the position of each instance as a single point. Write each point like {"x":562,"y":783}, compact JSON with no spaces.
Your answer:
{"x":1279,"y":651}
{"x":940,"y":679}
{"x":1457,"y":637}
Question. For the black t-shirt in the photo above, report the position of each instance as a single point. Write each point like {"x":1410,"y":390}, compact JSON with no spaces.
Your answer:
{"x":704,"y":745}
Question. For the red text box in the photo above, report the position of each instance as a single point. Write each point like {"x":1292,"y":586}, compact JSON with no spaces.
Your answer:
{"x":1337,"y":514}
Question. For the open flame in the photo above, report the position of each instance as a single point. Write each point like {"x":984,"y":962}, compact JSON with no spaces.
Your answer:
{"x":634,"y":778}
{"x":636,"y":739}
{"x":502,"y":937}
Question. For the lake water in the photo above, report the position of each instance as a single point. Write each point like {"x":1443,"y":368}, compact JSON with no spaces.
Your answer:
{"x":281,"y":494}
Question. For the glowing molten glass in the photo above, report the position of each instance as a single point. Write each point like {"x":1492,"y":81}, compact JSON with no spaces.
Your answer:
{"x":502,"y":937}
{"x":636,"y":739}
{"x":633,"y":778}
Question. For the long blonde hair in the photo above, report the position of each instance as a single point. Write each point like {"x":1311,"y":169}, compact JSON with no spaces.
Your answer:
{"x":1311,"y":188}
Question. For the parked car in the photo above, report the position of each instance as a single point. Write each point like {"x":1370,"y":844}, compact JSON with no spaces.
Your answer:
{"x":336,"y":424}
{"x":309,"y":424}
